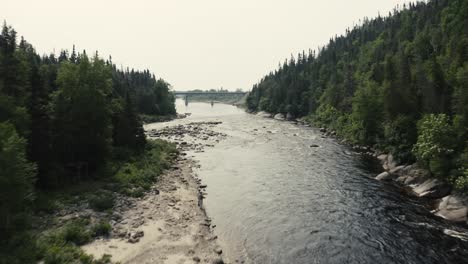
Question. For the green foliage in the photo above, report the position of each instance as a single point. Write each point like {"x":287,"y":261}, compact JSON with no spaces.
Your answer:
{"x":101,"y":229}
{"x":102,"y":201}
{"x":76,"y":233}
{"x":461,"y":183}
{"x":16,"y":179}
{"x":400,"y":135}
{"x":18,"y":249}
{"x":367,"y":114}
{"x":139,"y":173}
{"x":373,"y":84}
{"x":435,"y":143}
{"x":64,"y":121}
{"x":81,"y":113}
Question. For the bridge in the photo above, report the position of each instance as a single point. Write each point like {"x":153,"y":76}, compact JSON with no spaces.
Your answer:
{"x":210,"y":96}
{"x":185,"y":93}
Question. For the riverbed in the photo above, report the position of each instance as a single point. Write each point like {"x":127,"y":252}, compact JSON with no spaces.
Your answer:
{"x":275,"y":197}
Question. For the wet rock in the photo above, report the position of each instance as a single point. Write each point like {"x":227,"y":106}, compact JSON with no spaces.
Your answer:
{"x":398,"y":170}
{"x":289,"y":116}
{"x":314,"y":146}
{"x":196,"y":259}
{"x":453,"y":208}
{"x":389,"y":163}
{"x":413,"y":175}
{"x":432,"y":188}
{"x":385,"y":176}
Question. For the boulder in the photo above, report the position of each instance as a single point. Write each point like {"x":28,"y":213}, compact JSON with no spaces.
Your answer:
{"x":453,"y":208}
{"x":279,"y":116}
{"x":389,"y":163}
{"x":413,"y":175}
{"x":385,"y":176}
{"x":432,"y":188}
{"x":400,"y":170}
{"x":382,"y":158}
{"x":263,"y":114}
{"x":218,"y":251}
{"x":289,"y":116}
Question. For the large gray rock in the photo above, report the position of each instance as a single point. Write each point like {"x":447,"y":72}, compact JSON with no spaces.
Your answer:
{"x":382,"y":158}
{"x":416,"y":175}
{"x":385,"y":176}
{"x":400,"y":170}
{"x":432,"y":188}
{"x":263,"y":114}
{"x":453,"y":208}
{"x":289,"y":116}
{"x":389,"y":163}
{"x":279,"y":116}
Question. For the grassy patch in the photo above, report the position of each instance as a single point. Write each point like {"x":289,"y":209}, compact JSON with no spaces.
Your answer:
{"x":101,"y":201}
{"x":62,"y":245}
{"x":102,"y":228}
{"x":137,"y":174}
{"x":132,"y":177}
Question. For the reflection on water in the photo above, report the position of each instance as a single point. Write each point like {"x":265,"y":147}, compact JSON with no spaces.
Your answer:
{"x":275,"y":199}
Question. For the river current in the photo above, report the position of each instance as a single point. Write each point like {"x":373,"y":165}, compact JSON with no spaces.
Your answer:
{"x":276,"y":199}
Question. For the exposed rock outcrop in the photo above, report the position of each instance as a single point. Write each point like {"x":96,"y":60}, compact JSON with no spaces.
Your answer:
{"x":453,"y":208}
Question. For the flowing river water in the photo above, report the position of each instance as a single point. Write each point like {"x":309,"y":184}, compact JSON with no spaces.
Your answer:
{"x":276,"y":199}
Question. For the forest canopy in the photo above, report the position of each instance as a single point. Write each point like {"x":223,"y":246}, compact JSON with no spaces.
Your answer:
{"x":398,"y":83}
{"x":63,"y":118}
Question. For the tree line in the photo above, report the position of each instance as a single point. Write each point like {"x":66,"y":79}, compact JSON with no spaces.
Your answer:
{"x":62,"y":118}
{"x":399,"y":83}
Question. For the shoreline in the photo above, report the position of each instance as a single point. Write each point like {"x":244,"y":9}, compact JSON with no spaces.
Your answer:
{"x":446,"y":202}
{"x":167,"y":225}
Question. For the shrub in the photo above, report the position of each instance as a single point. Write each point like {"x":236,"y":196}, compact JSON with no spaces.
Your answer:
{"x":461,"y":183}
{"x":76,"y":233}
{"x":101,"y":229}
{"x":102,"y":201}
{"x":399,"y":137}
{"x":435,"y":143}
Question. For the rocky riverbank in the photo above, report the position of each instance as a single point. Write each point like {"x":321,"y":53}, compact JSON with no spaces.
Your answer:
{"x":449,"y":204}
{"x":168,"y":224}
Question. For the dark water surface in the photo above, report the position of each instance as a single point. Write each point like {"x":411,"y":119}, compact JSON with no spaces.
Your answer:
{"x":275,"y":199}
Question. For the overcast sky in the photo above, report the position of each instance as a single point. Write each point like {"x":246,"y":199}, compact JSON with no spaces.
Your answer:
{"x":192,"y":44}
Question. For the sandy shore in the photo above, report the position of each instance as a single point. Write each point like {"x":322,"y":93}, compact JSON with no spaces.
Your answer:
{"x":167,"y":225}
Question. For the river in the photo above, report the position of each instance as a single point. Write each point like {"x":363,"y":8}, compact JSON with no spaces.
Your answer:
{"x":276,"y":199}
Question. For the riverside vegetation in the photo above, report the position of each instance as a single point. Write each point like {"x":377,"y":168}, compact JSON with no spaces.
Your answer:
{"x":398,"y":83}
{"x":71,"y":132}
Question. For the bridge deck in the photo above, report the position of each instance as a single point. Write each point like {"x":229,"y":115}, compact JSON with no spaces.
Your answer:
{"x":208,"y":93}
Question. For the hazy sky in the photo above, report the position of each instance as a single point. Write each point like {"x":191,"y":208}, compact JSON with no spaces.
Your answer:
{"x":192,"y":44}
